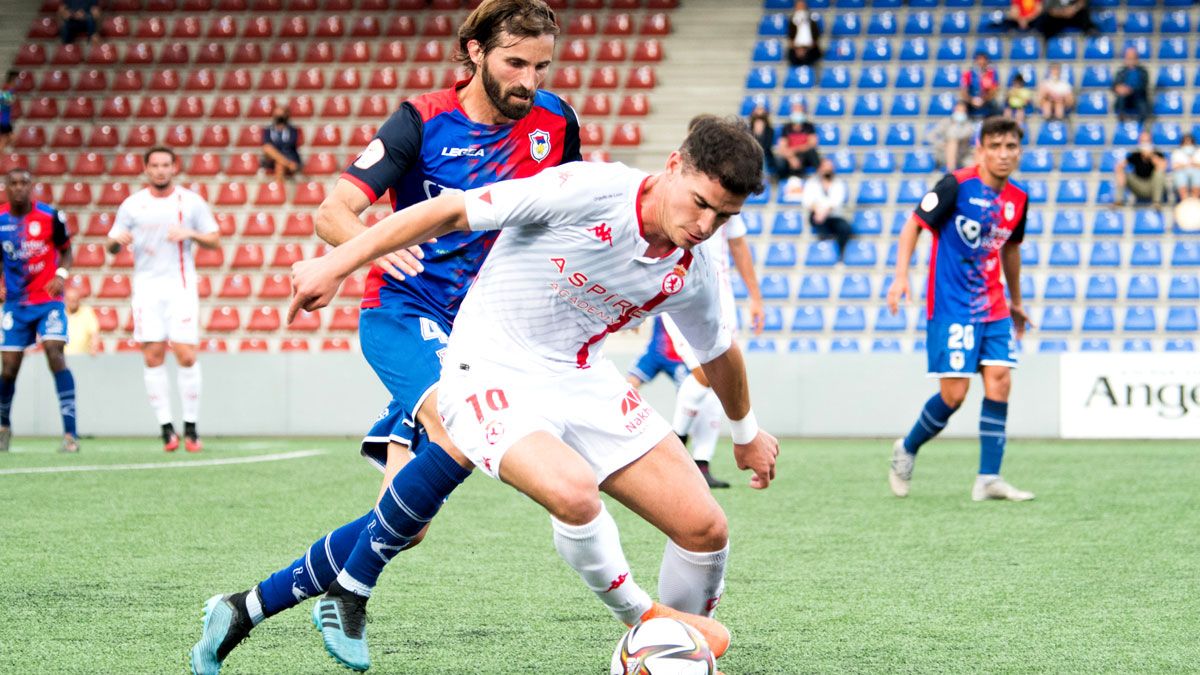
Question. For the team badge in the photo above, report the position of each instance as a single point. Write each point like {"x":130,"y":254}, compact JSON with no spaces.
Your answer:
{"x":35,"y":229}
{"x":539,"y":145}
{"x":493,"y":432}
{"x":672,"y":283}
{"x":1010,"y":210}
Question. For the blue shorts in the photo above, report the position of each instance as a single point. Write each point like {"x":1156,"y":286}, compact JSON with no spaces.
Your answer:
{"x":651,"y":364}
{"x":26,"y":324}
{"x":959,"y":349}
{"x":390,"y":426}
{"x":404,"y":345}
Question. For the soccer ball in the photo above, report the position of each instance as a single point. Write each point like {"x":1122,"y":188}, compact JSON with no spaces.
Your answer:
{"x":663,"y":647}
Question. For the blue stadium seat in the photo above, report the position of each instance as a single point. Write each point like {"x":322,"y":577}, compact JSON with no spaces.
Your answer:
{"x":754,"y":222}
{"x":778,"y":4}
{"x":1179,"y":345}
{"x":1068,"y":223}
{"x":1030,"y":256}
{"x":1094,"y":345}
{"x":841,"y":50}
{"x":1076,"y":161}
{"x":1098,"y":320}
{"x":846,"y":24}
{"x":1172,"y":49}
{"x":803,"y":346}
{"x":1037,"y":190}
{"x":860,"y":253}
{"x":768,"y":51}
{"x":1109,"y":159}
{"x":1142,"y":287}
{"x":869,"y":106}
{"x":1168,"y":103}
{"x":788,"y":223}
{"x":877,"y":50}
{"x":1196,"y":101}
{"x":1026,"y":48}
{"x":1037,"y":161}
{"x":1071,"y":191}
{"x":1125,"y":133}
{"x":1053,"y":133}
{"x":850,"y":319}
{"x":1101,"y":287}
{"x":942,"y":104}
{"x":808,"y":318}
{"x":1058,"y":287}
{"x":911,"y":191}
{"x":898,"y":219}
{"x":761,"y":344}
{"x":749,"y":103}
{"x":872,"y":192}
{"x":1182,"y":319}
{"x":1185,"y":254}
{"x":1106,"y":22}
{"x":886,"y":346}
{"x":1104,"y":192}
{"x":1138,"y":22}
{"x":1092,"y":104}
{"x":947,"y":77}
{"x":740,"y":292}
{"x":884,"y":321}
{"x":1105,"y":254}
{"x":918,"y":23}
{"x":1108,"y":223}
{"x":1033,"y":223}
{"x":959,"y":3}
{"x":762,"y":78}
{"x":800,"y":77}
{"x":1148,"y":222}
{"x":1184,"y":287}
{"x":1141,"y":44}
{"x":829,"y":135}
{"x":1064,"y":254}
{"x":814,"y":287}
{"x":906,"y":105}
{"x":879,"y":161}
{"x":863,"y":135}
{"x":1175,"y":22}
{"x":844,"y":345}
{"x":850,"y":4}
{"x":775,"y":287}
{"x":1137,"y":345}
{"x":781,"y":255}
{"x":1140,"y":319}
{"x":910,"y":77}
{"x":760,"y":198}
{"x":923,"y":4}
{"x":918,"y":161}
{"x":1090,"y":133}
{"x":1166,"y":133}
{"x":867,"y":222}
{"x":844,"y":161}
{"x":1097,"y":77}
{"x":873,"y":77}
{"x":772,"y":25}
{"x":835,"y":77}
{"x":952,"y":49}
{"x":1053,"y":347}
{"x":956,"y":23}
{"x":773,"y":320}
{"x":900,"y":134}
{"x":1062,"y":48}
{"x":990,"y":46}
{"x":1146,"y":254}
{"x":830,"y":105}
{"x":821,"y":254}
{"x":882,"y":23}
{"x":1056,"y":319}
{"x":855,"y":287}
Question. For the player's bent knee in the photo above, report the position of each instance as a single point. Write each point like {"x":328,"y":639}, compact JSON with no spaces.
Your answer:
{"x":574,"y":504}
{"x":706,"y":532}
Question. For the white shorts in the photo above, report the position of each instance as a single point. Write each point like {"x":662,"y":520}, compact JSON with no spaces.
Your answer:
{"x":488,"y":408}
{"x":166,"y":312}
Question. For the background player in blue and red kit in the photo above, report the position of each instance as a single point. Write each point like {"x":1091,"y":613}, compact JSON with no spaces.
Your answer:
{"x":37,"y":253}
{"x":660,"y":358}
{"x":494,"y":126}
{"x":977,"y":218}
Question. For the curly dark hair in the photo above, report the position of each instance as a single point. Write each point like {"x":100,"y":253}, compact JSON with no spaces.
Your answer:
{"x":1000,"y":126}
{"x":724,"y":149}
{"x":157,"y":149}
{"x":518,"y":18}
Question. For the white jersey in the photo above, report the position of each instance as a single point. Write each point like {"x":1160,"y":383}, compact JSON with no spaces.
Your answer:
{"x":719,"y":249}
{"x":155,"y":260}
{"x":571,"y":269}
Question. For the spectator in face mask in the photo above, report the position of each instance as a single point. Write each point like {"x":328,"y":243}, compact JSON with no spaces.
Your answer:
{"x":804,"y":36}
{"x":1185,"y":168}
{"x":952,"y":139}
{"x":280,"y":154}
{"x":796,"y":150}
{"x":825,"y":198}
{"x":1143,"y":171}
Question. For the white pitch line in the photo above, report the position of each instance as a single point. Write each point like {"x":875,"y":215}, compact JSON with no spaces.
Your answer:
{"x":295,"y":454}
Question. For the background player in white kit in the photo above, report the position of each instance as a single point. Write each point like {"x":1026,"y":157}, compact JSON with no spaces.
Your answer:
{"x":589,"y":249}
{"x":162,"y":222}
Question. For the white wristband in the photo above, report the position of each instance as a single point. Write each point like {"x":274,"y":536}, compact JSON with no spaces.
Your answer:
{"x":61,"y":273}
{"x":744,"y":430}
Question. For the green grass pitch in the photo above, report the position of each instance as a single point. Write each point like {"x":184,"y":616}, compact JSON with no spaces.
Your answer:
{"x":106,"y":571}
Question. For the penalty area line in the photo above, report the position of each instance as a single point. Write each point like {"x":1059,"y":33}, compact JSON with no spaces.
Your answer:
{"x":147,"y":466}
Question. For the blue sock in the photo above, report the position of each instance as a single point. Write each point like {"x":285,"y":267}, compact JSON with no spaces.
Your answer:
{"x":992,"y":418}
{"x":311,"y":573}
{"x":412,"y":500}
{"x":64,"y":382}
{"x":932,"y":420}
{"x":7,"y":389}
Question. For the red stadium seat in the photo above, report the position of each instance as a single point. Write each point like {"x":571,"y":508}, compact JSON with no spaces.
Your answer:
{"x":318,"y":52}
{"x":154,"y":5}
{"x":353,"y":287}
{"x":87,"y":164}
{"x":242,"y":164}
{"x":223,"y":320}
{"x":302,"y":5}
{"x":362,"y":135}
{"x":236,"y":80}
{"x":52,"y":164}
{"x":612,"y":51}
{"x":186,"y":28}
{"x":214,"y":344}
{"x":247,"y":256}
{"x":89,"y":256}
{"x":201,"y":80}
{"x":286,"y":255}
{"x":235,"y":287}
{"x":335,"y":345}
{"x":112,"y":194}
{"x":385,"y":79}
{"x":106,"y":317}
{"x":294,"y":345}
{"x":582,"y":24}
{"x":214,"y":136}
{"x":152,"y":28}
{"x":102,"y":54}
{"x":196,"y":5}
{"x":419,"y":78}
{"x":247,"y":52}
{"x":271,"y":194}
{"x":232,"y":5}
{"x":392,"y":52}
{"x":259,"y":225}
{"x":225,"y":223}
{"x":174,"y":54}
{"x":648,"y":51}
{"x":641,"y":77}
{"x":405,"y":6}
{"x":258,"y":27}
{"x":430,"y":51}
{"x":373,"y":5}
{"x":331,"y":27}
{"x":625,"y":4}
{"x":298,"y":225}
{"x":100,"y":224}
{"x":301,"y":106}
{"x":224,"y":107}
{"x":203,"y":286}
{"x":211,"y":53}
{"x":91,"y":80}
{"x":205,"y":163}
{"x":452,"y":76}
{"x":117,"y":107}
{"x":321,"y":164}
{"x":55,"y":81}
{"x":128,"y":80}
{"x":587,"y":4}
{"x":293,"y":27}
{"x":283,"y":52}
{"x":12,"y":161}
{"x":340,"y":6}
{"x":30,"y":55}
{"x":152,"y":107}
{"x":347,"y":79}
{"x":597,"y":105}
{"x":264,"y":319}
{"x":180,"y":136}
{"x":81,"y":283}
{"x":326,"y":135}
{"x":199,"y":188}
{"x":44,"y":28}
{"x":366,"y":26}
{"x":67,"y":55}
{"x":140,"y":136}
{"x":69,"y":136}
{"x":273,"y":79}
{"x":446,"y":4}
{"x":42,"y":108}
{"x":400,"y":26}
{"x":311,"y":193}
{"x":42,"y":192}
{"x":189,"y":108}
{"x":117,"y":286}
{"x":374,"y":106}
{"x":312,"y":79}
{"x":662,"y":4}
{"x":231,"y":194}
{"x":261,"y":107}
{"x":575,"y":51}
{"x":75,"y":194}
{"x":637,"y":105}
{"x":139,"y":54}
{"x":604,"y":77}
{"x":591,"y":134}
{"x":656,"y":24}
{"x":209,"y":257}
{"x":438,"y":25}
{"x":122,"y":260}
{"x":127,"y":164}
{"x":627,"y":134}
{"x":344,"y":319}
{"x":567,"y":77}
{"x":30,"y":137}
{"x":253,"y":345}
{"x":275,"y":286}
{"x":336,"y":106}
{"x":82,"y":107}
{"x":355,"y":52}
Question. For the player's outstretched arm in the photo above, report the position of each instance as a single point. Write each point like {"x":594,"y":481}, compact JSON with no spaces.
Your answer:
{"x":908,"y":243}
{"x":338,"y":221}
{"x":739,"y":250}
{"x":753,"y":448}
{"x":315,"y":281}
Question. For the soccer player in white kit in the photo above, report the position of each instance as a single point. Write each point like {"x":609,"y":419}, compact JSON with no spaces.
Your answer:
{"x":585,"y":250}
{"x":163,"y":222}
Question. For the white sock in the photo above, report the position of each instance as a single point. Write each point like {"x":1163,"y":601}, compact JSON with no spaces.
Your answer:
{"x":594,"y":551}
{"x":353,"y":585}
{"x":254,"y":606}
{"x":159,"y":392}
{"x":189,"y":391}
{"x":692,"y":582}
{"x":706,"y":428}
{"x":687,"y":403}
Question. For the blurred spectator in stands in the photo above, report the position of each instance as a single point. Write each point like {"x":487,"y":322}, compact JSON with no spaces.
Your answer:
{"x":796,"y":150}
{"x":1056,"y":96}
{"x":280,"y":153}
{"x":7,"y":96}
{"x":1132,"y":87}
{"x":825,"y":198}
{"x":79,"y":16}
{"x":981,"y":86}
{"x":1185,"y":168}
{"x":804,"y":36}
{"x":1019,"y":98}
{"x":953,"y":138}
{"x":83,"y":328}
{"x":1143,"y":171}
{"x":1059,"y":15}
{"x":764,"y":133}
{"x":1024,"y":14}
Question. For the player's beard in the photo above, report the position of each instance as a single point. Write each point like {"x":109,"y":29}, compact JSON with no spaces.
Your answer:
{"x":499,"y":97}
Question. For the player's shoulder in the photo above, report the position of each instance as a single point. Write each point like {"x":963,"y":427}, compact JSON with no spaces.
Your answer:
{"x":609,"y":181}
{"x":550,"y":103}
{"x":190,"y":196}
{"x":431,"y":104}
{"x":966,"y":174}
{"x":1016,"y":188}
{"x":45,"y":209}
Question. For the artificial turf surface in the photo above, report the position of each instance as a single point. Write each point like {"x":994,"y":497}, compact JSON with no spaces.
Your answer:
{"x":107,"y":571}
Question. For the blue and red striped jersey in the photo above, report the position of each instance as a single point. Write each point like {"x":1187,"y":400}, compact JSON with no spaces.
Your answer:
{"x":31,"y":244}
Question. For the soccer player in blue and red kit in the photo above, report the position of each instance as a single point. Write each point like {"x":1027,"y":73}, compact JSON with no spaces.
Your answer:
{"x":977,"y":218}
{"x":37,"y":253}
{"x":495,"y":126}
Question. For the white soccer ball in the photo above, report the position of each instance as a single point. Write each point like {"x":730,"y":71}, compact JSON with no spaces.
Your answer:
{"x":663,"y":647}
